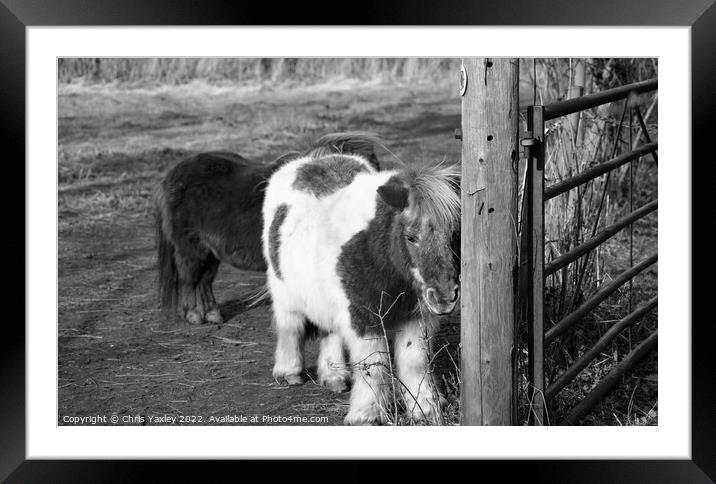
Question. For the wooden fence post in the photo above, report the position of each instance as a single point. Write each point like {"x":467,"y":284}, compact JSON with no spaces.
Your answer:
{"x":490,"y":120}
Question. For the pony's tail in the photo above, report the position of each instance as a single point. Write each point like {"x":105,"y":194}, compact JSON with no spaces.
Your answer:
{"x":356,"y":142}
{"x":168,"y":276}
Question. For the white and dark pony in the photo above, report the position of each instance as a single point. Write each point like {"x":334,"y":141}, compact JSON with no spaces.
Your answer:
{"x":208,"y":211}
{"x":365,"y":257}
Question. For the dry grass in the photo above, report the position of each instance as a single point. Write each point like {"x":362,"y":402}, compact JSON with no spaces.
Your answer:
{"x":395,"y":409}
{"x":238,"y":70}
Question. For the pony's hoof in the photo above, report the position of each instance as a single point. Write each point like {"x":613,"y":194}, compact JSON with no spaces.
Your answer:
{"x":294,"y":379}
{"x":214,"y":317}
{"x":335,"y":384}
{"x":366,"y":416}
{"x":425,"y":412}
{"x":291,"y":375}
{"x":193,"y":317}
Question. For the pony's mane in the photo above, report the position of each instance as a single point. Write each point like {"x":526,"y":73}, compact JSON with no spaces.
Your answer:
{"x":436,"y":192}
{"x":357,"y":142}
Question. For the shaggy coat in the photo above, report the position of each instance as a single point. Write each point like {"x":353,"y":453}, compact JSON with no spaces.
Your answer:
{"x":359,"y":253}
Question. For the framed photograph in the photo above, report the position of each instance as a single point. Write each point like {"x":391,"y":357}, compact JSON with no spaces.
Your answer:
{"x":434,"y":237}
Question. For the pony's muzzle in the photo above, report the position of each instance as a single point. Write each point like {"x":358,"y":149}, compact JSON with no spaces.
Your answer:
{"x":442,"y":304}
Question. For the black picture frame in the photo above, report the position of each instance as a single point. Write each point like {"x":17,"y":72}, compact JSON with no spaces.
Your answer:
{"x":16,"y":15}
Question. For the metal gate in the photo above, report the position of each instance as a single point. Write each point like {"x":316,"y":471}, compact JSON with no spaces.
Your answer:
{"x":533,"y":270}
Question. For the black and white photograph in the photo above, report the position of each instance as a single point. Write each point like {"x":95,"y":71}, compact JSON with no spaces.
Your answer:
{"x":314,"y":241}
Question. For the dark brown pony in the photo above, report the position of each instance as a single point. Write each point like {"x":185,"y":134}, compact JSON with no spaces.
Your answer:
{"x":208,"y":211}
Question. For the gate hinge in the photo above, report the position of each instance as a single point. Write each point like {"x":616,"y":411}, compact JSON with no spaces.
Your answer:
{"x":528,"y":143}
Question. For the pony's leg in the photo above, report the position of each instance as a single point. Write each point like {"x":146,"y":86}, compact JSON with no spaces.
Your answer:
{"x":288,"y":359}
{"x":333,"y":372}
{"x":206,"y":303}
{"x":190,"y":269}
{"x":412,"y":357}
{"x":369,"y":402}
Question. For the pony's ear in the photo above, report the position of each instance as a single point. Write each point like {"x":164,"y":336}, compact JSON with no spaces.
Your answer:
{"x":394,"y":194}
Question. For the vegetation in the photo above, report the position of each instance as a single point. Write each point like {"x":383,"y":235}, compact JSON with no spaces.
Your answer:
{"x":232,"y":70}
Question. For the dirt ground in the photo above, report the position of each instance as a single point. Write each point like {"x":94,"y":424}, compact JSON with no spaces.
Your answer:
{"x":118,"y":355}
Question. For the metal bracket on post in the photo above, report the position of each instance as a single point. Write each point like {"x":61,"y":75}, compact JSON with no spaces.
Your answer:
{"x":527,"y":143}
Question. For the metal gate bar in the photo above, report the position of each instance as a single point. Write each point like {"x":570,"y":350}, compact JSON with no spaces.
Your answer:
{"x":603,"y":236}
{"x":597,"y":298}
{"x":600,"y":169}
{"x":614,"y":376}
{"x":570,"y":106}
{"x":533,"y":269}
{"x":645,"y":132}
{"x":594,"y":351}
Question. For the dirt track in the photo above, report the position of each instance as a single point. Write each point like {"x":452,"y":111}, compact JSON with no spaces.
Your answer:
{"x":117,"y":354}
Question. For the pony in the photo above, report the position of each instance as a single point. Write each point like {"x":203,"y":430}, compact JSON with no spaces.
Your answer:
{"x":365,"y":258}
{"x":208,"y":211}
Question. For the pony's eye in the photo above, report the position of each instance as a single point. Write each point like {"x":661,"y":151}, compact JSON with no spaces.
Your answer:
{"x":412,"y":238}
